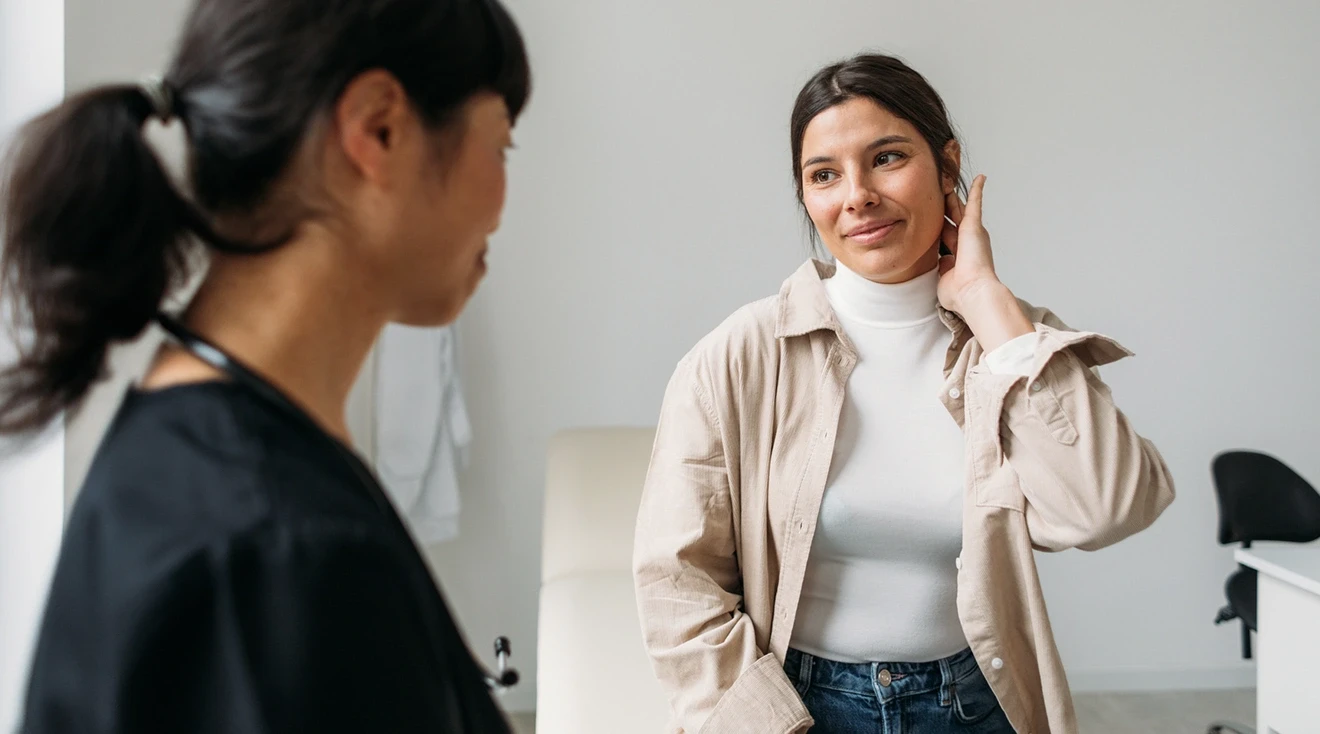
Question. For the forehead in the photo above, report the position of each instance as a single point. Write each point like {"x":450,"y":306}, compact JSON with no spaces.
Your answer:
{"x":853,"y":124}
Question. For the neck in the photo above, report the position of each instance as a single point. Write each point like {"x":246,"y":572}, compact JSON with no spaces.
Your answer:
{"x":884,"y":304}
{"x":298,"y":316}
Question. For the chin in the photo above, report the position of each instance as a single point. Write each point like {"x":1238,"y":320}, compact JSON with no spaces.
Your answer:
{"x":436,"y":312}
{"x":441,"y":304}
{"x":885,"y":263}
{"x":879,"y":260}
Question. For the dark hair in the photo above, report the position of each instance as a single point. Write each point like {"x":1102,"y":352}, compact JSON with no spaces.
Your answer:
{"x":94,"y":234}
{"x":888,"y":82}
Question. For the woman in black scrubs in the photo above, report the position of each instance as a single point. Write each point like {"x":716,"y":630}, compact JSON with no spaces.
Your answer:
{"x":230,"y":565}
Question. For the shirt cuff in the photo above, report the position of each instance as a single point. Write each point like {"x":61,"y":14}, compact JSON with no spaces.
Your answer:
{"x":1014,"y":357}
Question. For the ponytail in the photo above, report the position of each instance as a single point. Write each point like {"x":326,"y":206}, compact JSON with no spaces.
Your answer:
{"x":92,"y":236}
{"x":93,"y":232}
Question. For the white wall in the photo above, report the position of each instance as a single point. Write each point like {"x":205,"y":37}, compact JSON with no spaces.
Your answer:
{"x":1151,"y":175}
{"x":32,"y":475}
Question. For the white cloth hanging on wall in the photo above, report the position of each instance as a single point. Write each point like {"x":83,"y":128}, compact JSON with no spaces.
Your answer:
{"x":422,"y":428}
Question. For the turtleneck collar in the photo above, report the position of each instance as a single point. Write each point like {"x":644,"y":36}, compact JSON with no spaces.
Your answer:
{"x":884,"y":305}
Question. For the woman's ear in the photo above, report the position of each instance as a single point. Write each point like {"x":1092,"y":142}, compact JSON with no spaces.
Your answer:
{"x":368,"y":118}
{"x":952,"y":168}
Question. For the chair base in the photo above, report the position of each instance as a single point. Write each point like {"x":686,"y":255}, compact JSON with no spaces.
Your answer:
{"x":1229,"y":727}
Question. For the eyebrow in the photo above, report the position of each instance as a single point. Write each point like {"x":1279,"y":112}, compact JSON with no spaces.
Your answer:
{"x":887,"y":140}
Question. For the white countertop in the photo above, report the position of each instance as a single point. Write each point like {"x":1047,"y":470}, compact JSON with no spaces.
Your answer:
{"x":1295,"y":564}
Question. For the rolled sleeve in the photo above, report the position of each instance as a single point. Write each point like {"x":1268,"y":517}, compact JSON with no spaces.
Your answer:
{"x":1087,"y":477}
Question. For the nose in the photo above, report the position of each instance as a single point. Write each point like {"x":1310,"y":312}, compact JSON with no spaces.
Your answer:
{"x":861,"y":194}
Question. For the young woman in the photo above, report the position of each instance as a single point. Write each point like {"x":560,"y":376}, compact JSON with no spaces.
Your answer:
{"x":230,"y":565}
{"x":850,"y":478}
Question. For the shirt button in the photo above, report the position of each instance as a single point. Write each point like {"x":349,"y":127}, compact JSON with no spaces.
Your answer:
{"x":997,"y":663}
{"x":1037,"y":387}
{"x":957,"y":563}
{"x":885,"y":677}
{"x":955,"y":393}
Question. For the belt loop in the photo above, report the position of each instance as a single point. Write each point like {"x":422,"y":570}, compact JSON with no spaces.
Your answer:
{"x":804,"y":668}
{"x":946,"y":682}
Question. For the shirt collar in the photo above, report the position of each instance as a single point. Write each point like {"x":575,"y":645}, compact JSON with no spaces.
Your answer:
{"x":804,"y":306}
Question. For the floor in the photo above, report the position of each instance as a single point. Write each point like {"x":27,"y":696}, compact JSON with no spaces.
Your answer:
{"x":1180,"y":712}
{"x":1163,"y":713}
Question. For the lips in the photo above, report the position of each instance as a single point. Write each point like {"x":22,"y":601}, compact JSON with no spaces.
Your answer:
{"x":871,"y":232}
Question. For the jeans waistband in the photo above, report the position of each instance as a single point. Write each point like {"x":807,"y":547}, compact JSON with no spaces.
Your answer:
{"x":884,"y":680}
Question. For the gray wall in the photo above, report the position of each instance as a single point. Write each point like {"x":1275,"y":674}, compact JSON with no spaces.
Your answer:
{"x":1151,"y":175}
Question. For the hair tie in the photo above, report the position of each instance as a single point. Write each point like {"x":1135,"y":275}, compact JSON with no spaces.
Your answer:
{"x":158,"y":93}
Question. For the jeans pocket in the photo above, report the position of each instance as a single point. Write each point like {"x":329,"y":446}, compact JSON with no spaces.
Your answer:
{"x":973,"y":699}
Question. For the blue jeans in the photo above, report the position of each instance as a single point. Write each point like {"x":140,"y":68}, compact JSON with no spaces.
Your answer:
{"x":942,"y":697}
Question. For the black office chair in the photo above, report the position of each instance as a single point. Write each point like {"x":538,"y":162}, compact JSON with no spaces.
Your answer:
{"x":1260,"y":498}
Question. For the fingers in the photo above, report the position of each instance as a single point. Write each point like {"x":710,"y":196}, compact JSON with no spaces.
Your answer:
{"x":946,"y":264}
{"x":974,"y":198}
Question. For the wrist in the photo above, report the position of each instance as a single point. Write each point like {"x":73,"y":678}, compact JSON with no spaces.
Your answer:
{"x":993,"y":314}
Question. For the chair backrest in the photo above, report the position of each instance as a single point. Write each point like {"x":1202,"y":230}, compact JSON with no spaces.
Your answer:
{"x":1261,"y":498}
{"x":593,"y":488}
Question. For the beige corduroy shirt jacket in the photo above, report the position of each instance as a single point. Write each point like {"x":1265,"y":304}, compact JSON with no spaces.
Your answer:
{"x":741,"y":457}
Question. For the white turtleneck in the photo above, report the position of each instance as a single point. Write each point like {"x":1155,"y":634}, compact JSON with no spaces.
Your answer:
{"x":881,"y":585}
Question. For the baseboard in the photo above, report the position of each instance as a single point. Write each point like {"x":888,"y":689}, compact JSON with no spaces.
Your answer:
{"x":1088,"y":681}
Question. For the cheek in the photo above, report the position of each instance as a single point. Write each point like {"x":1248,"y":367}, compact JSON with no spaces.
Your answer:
{"x":471,"y":201}
{"x":919,"y":193}
{"x":485,"y":194}
{"x":822,"y":208}
{"x":499,"y":191}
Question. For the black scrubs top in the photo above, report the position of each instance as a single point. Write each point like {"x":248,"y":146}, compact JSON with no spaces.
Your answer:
{"x":225,"y":570}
